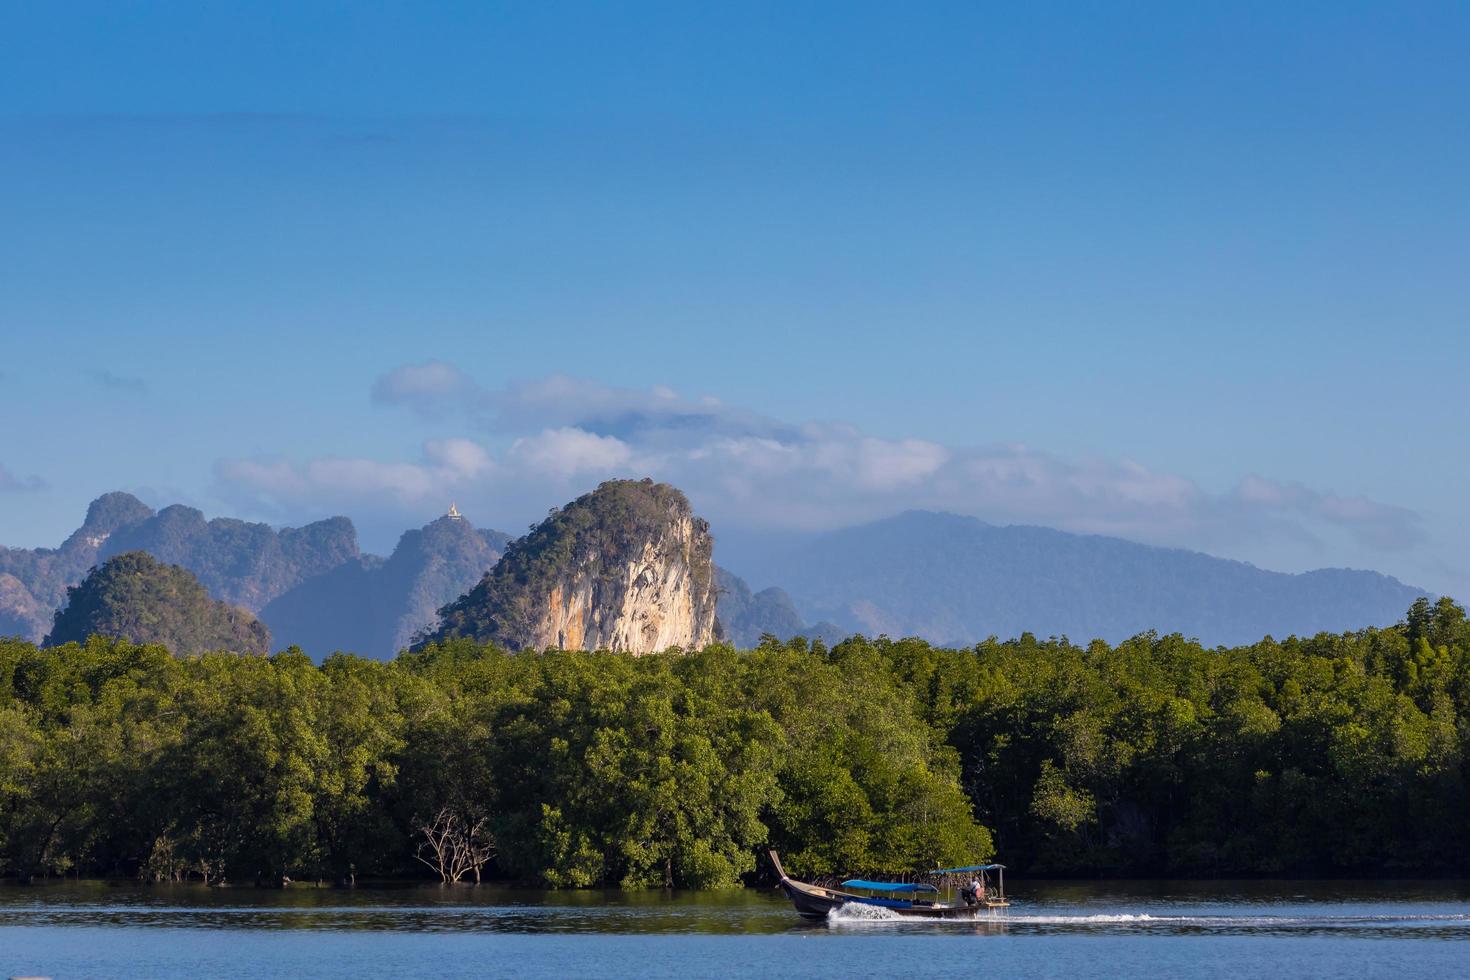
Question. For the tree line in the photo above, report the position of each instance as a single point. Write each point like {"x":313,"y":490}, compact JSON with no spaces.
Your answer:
{"x":1335,"y":754}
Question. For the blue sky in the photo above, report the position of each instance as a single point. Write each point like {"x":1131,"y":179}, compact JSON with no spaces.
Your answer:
{"x":1192,"y":274}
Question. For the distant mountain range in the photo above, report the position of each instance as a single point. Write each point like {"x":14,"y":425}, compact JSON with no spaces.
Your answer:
{"x":310,"y":585}
{"x":377,"y":607}
{"x":947,"y":578}
{"x":746,"y":616}
{"x":955,"y":579}
{"x":240,"y":563}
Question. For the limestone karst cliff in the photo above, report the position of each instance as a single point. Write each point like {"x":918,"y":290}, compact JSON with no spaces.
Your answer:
{"x":626,"y":567}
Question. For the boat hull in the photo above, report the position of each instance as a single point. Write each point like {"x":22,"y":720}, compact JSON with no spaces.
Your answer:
{"x":816,"y":902}
{"x":810,"y":901}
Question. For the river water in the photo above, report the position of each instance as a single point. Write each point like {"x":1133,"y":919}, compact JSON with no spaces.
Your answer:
{"x":1053,"y":929}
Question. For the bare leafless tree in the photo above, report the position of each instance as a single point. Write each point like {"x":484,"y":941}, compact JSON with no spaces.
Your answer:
{"x":453,"y":845}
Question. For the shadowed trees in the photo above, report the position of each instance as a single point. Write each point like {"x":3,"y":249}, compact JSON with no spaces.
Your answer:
{"x":1317,"y":755}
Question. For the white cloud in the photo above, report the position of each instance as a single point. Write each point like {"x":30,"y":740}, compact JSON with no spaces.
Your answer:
{"x":335,"y":484}
{"x":567,"y":451}
{"x":561,"y":436}
{"x":458,"y":459}
{"x":886,"y":465}
{"x":1380,"y":526}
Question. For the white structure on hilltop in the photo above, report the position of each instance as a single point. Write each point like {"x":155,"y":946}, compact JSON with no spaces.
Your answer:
{"x":454,"y":514}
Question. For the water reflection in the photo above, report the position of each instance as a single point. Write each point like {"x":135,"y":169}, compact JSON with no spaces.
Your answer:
{"x":1433,"y":910}
{"x":428,"y":909}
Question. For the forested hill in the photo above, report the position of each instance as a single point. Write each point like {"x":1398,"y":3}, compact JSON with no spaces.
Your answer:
{"x":136,"y":597}
{"x":955,"y":579}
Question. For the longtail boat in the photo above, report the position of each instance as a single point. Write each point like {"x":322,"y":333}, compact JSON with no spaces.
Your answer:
{"x":915,"y":899}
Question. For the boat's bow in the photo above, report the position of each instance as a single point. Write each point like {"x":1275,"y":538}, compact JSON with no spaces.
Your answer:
{"x":811,"y":901}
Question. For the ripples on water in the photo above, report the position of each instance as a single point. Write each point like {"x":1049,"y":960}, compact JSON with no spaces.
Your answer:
{"x":1062,"y":929}
{"x":396,"y":910}
{"x":1045,"y":908}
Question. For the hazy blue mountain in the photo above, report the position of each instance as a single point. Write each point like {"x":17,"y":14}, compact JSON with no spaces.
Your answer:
{"x":364,"y":603}
{"x":956,"y":579}
{"x":744,"y":615}
{"x":139,"y":598}
{"x":375,"y":607}
{"x":826,"y":631}
{"x":38,"y":577}
{"x":21,"y":613}
{"x":947,"y":578}
{"x":242,"y":563}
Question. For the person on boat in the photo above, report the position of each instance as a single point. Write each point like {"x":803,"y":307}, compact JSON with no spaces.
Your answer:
{"x":971,"y":892}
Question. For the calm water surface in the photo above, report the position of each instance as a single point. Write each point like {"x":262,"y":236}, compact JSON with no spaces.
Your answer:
{"x":1094,"y":929}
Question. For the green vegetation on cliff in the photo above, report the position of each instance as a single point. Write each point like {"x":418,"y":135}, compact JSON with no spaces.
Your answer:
{"x":1307,"y":756}
{"x":595,"y":536}
{"x":136,"y":597}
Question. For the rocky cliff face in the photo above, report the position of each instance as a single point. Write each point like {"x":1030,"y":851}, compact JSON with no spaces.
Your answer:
{"x":626,"y":567}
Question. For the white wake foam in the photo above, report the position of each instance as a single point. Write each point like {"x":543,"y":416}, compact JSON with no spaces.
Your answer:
{"x":1082,"y":920}
{"x":858,"y":912}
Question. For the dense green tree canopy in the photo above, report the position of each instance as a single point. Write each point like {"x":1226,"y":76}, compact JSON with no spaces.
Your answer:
{"x":1324,"y":755}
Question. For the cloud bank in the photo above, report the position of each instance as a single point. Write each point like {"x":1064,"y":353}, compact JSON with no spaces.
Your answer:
{"x":536,"y":443}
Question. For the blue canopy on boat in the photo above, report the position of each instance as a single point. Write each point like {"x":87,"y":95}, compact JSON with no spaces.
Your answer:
{"x":887,"y":886}
{"x":968,"y":867}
